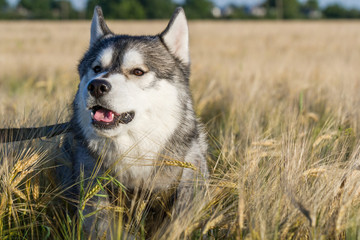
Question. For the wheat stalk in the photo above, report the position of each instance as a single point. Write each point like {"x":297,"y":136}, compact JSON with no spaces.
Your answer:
{"x":314,"y":172}
{"x":323,"y":138}
{"x":179,"y":164}
{"x":19,"y":166}
{"x":36,"y":187}
{"x":266,"y":143}
{"x":212,"y":223}
{"x":19,"y":193}
{"x":140,"y":211}
{"x":19,"y":172}
{"x":90,"y":194}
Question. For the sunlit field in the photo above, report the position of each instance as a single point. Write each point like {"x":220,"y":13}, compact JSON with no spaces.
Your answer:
{"x":281,"y":105}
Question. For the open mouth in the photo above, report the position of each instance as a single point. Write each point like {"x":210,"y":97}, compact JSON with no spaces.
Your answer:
{"x":106,"y":119}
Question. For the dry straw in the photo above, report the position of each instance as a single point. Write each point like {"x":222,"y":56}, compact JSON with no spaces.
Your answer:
{"x":276,"y":98}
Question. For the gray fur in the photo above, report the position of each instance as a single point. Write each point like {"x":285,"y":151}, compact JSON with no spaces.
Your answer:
{"x":90,"y":148}
{"x":99,"y":28}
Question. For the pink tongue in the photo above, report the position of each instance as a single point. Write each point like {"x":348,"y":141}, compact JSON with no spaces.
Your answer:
{"x":103,"y":115}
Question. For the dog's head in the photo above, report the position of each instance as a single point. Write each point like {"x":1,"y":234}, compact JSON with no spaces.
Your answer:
{"x":131,"y":80}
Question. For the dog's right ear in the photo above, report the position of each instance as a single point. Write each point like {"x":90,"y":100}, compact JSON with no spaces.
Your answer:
{"x":176,"y":36}
{"x":99,"y":28}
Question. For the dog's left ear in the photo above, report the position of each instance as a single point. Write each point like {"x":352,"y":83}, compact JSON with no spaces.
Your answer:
{"x":176,"y":36}
{"x":98,"y":26}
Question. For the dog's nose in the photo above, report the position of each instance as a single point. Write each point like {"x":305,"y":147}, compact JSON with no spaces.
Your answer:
{"x":98,"y":88}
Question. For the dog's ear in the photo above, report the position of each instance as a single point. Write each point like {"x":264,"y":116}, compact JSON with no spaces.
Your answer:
{"x":98,"y":26}
{"x":176,"y":36}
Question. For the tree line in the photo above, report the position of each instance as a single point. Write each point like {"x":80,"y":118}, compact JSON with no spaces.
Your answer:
{"x":161,"y":9}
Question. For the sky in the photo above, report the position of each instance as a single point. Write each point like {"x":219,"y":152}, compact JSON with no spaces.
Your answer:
{"x":78,"y":4}
{"x":322,"y":3}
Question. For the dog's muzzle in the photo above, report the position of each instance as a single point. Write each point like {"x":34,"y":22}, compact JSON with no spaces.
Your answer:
{"x":106,"y":119}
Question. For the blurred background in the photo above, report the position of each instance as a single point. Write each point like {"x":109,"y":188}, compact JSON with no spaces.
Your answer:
{"x":195,"y":9}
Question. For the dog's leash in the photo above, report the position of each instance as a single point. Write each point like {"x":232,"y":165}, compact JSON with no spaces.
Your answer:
{"x":20,"y":134}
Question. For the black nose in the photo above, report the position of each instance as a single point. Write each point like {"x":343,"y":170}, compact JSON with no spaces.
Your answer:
{"x":98,"y":88}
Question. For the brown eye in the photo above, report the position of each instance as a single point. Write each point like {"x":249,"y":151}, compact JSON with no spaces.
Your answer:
{"x":97,"y":69}
{"x":138,"y":72}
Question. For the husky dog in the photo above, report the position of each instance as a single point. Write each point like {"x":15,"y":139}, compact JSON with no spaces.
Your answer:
{"x":133,"y":111}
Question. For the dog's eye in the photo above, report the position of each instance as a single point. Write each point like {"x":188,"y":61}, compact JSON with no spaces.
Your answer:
{"x":137,"y":72}
{"x":97,"y":69}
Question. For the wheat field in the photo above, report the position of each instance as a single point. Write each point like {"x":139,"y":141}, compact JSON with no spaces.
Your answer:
{"x":280,"y":102}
